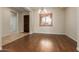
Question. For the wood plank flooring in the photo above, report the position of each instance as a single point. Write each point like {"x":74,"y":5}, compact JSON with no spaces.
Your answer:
{"x":42,"y":43}
{"x":12,"y":37}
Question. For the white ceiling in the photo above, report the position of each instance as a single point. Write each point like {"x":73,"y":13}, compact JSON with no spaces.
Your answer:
{"x":20,"y":9}
{"x":28,"y":9}
{"x":34,"y":8}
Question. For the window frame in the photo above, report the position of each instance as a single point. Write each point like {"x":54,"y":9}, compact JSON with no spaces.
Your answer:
{"x":44,"y":15}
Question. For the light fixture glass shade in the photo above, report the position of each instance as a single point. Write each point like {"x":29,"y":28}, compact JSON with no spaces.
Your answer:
{"x":43,"y":11}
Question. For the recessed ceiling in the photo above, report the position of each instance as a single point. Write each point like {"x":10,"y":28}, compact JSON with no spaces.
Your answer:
{"x":20,"y":9}
{"x":34,"y":8}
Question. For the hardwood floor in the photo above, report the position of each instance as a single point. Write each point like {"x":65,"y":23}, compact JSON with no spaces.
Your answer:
{"x":12,"y":37}
{"x":42,"y":43}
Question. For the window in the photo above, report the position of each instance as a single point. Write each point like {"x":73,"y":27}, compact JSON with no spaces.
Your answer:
{"x":46,"y":19}
{"x":13,"y":22}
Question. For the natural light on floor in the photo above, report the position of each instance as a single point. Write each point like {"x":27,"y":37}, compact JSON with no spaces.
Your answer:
{"x":46,"y":45}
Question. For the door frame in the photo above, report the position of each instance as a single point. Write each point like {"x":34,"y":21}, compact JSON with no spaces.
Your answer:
{"x":30,"y":19}
{"x":30,"y":22}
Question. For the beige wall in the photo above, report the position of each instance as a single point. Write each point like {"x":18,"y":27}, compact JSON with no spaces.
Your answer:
{"x":20,"y":22}
{"x":6,"y":17}
{"x":31,"y":22}
{"x":70,"y":22}
{"x":0,"y":28}
{"x":6,"y":21}
{"x":78,"y":29}
{"x":58,"y":22}
{"x":6,"y":14}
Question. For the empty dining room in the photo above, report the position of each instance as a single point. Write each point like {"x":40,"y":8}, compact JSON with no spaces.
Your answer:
{"x":39,"y":29}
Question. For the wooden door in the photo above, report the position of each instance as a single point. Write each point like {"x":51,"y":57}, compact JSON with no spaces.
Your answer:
{"x":26,"y":23}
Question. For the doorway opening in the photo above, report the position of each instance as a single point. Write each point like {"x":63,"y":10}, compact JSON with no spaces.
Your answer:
{"x":26,"y":23}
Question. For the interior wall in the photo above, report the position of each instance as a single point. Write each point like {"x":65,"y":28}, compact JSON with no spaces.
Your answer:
{"x":78,"y":29}
{"x":58,"y":22}
{"x":20,"y":22}
{"x":31,"y":22}
{"x":70,"y":22}
{"x":0,"y":28}
{"x":6,"y":15}
{"x":6,"y":21}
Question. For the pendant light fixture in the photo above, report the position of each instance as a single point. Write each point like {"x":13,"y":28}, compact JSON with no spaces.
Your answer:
{"x":43,"y":11}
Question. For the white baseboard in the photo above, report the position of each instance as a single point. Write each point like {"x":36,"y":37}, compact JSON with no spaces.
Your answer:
{"x":0,"y":43}
{"x":50,"y":33}
{"x":71,"y":37}
{"x":0,"y":47}
{"x":59,"y":34}
{"x":6,"y":35}
{"x":30,"y":33}
{"x":77,"y":48}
